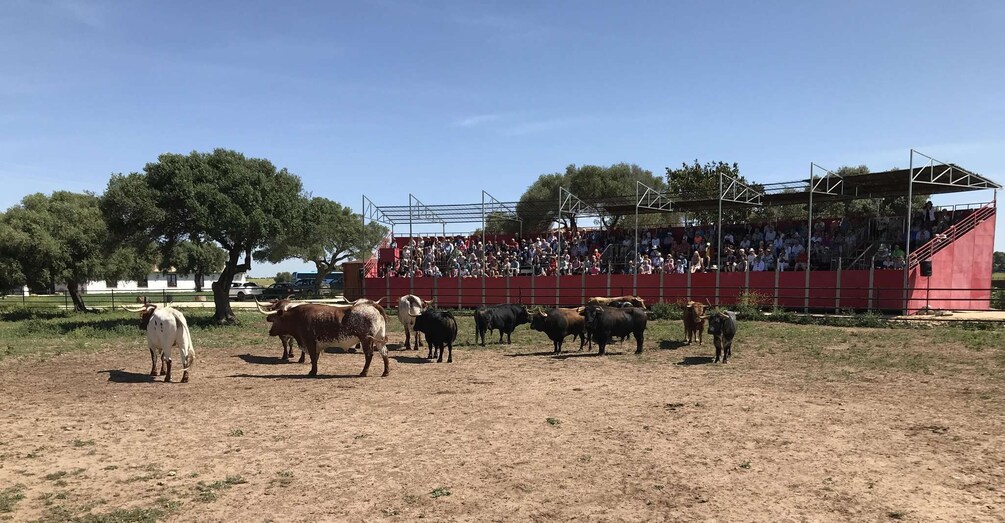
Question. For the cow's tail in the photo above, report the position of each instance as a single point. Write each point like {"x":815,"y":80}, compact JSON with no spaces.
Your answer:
{"x":187,"y":349}
{"x":380,"y":342}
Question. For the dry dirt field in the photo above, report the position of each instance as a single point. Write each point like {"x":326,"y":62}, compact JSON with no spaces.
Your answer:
{"x":806,"y":423}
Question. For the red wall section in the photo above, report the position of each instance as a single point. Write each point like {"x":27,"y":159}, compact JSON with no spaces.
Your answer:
{"x":961,"y":273}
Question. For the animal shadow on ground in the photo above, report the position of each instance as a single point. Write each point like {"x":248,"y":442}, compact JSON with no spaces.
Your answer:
{"x":124,"y":376}
{"x":339,"y":350}
{"x":303,"y":376}
{"x":397,"y":346}
{"x":696,"y":360}
{"x":584,"y":354}
{"x":671,"y":344}
{"x":521,"y":354}
{"x":411,"y":359}
{"x":262,"y":360}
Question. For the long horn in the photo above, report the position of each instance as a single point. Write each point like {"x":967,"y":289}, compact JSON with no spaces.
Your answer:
{"x":263,"y":311}
{"x":141,"y":309}
{"x":378,"y":301}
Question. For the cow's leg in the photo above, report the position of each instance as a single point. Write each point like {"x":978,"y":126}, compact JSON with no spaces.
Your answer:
{"x":557,"y":347}
{"x":727,"y":351}
{"x":602,"y":343}
{"x":408,"y":339}
{"x":167,"y":377}
{"x":387,"y":365}
{"x":432,"y":350}
{"x":480,"y":332}
{"x":418,"y":340}
{"x":700,"y":334}
{"x":639,"y":338}
{"x":450,"y":352}
{"x":163,"y":362}
{"x":312,"y":349}
{"x":368,"y":352}
{"x":153,"y":362}
{"x":501,"y":333}
{"x":718,"y":348}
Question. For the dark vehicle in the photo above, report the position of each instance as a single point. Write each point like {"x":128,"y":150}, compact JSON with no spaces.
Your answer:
{"x":281,"y":290}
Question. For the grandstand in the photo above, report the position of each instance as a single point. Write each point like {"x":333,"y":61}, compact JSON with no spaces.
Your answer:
{"x":929,"y":258}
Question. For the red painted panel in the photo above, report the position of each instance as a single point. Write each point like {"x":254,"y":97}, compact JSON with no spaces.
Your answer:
{"x":731,"y":285}
{"x":703,"y":287}
{"x":791,"y":287}
{"x":855,"y":289}
{"x":495,"y":290}
{"x":675,"y":288}
{"x":763,"y":283}
{"x":571,"y":291}
{"x":823,"y":285}
{"x":648,"y":288}
{"x":961,"y":273}
{"x":889,"y":289}
{"x":446,"y":292}
{"x":544,"y":291}
{"x":621,"y":285}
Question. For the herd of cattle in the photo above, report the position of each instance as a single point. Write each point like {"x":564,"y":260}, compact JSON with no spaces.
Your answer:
{"x":363,"y":323}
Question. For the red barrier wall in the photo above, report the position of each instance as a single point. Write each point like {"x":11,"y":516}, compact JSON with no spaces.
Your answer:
{"x":961,"y":273}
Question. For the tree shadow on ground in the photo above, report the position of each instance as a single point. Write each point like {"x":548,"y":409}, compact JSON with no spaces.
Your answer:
{"x":565,"y":356}
{"x":303,"y":376}
{"x":125,"y":376}
{"x":262,"y":360}
{"x":696,"y":360}
{"x":672,"y":344}
{"x":417,"y":360}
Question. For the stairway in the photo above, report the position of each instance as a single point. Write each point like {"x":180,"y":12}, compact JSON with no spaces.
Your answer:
{"x":958,"y":230}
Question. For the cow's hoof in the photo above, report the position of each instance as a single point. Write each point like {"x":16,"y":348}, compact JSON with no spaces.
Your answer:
{"x":450,"y":360}
{"x":385,"y":374}
{"x":312,"y":373}
{"x":153,"y":373}
{"x":184,"y":379}
{"x":167,"y":379}
{"x":440,"y":360}
{"x":362,"y":374}
{"x":163,"y":372}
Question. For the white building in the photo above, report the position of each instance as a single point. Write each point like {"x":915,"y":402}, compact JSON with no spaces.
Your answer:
{"x":156,"y":280}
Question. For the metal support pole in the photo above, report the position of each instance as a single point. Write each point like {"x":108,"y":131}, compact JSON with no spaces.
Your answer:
{"x":718,"y":247}
{"x":484,"y":264}
{"x":411,"y":252}
{"x":809,"y":247}
{"x":872,"y":279}
{"x":907,"y":232}
{"x":837,"y":290}
{"x":635,"y":273}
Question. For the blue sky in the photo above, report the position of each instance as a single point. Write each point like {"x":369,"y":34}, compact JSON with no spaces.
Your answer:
{"x":445,"y":99}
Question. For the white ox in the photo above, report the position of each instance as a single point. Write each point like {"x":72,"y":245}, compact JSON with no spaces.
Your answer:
{"x":166,"y":328}
{"x":287,"y":341}
{"x":411,"y":306}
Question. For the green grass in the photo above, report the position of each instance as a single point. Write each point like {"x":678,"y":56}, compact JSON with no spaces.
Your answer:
{"x":9,"y":498}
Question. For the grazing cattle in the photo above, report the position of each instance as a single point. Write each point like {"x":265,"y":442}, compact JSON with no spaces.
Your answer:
{"x":694,"y":321}
{"x":558,"y":323}
{"x":440,"y":329}
{"x":310,"y":323}
{"x":166,"y":328}
{"x":635,"y":301}
{"x":605,"y":323}
{"x":287,"y":341}
{"x":505,"y":317}
{"x":722,"y":327}
{"x":409,"y":307}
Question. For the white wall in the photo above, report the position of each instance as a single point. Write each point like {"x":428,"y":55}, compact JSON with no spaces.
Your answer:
{"x":156,"y":281}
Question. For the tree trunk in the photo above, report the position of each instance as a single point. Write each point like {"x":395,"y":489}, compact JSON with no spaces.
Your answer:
{"x":221,"y":298}
{"x":78,"y":303}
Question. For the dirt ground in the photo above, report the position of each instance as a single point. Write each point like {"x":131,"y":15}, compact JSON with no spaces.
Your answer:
{"x":507,"y":434}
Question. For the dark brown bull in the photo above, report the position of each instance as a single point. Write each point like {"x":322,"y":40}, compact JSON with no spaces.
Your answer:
{"x":694,"y":321}
{"x":558,"y":323}
{"x":311,"y":323}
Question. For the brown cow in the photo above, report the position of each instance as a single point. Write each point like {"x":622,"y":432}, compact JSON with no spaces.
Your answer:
{"x":602,"y":301}
{"x":287,"y":341}
{"x":694,"y":321}
{"x":310,"y":323}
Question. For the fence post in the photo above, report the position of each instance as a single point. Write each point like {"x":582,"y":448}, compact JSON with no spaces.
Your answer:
{"x":113,"y":300}
{"x":776,"y":285}
{"x":460,"y":292}
{"x":533,"y":276}
{"x":872,"y":275}
{"x":608,"y":280}
{"x":689,"y":296}
{"x":661,"y":284}
{"x":717,"y":285}
{"x":24,"y":297}
{"x":837,"y":290}
{"x":66,"y":304}
{"x":508,"y":299}
{"x":582,"y":286}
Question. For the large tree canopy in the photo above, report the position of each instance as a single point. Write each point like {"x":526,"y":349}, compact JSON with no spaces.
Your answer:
{"x":326,"y":234}
{"x":242,"y":204}
{"x":63,"y":238}
{"x":198,"y":258}
{"x":538,"y":206}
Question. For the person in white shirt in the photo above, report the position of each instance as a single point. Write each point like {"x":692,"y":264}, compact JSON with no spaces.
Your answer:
{"x":758,"y":264}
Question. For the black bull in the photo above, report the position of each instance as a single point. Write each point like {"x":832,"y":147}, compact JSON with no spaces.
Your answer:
{"x":606,"y":322}
{"x":504,"y":317}
{"x":722,"y":327}
{"x":440,"y":329}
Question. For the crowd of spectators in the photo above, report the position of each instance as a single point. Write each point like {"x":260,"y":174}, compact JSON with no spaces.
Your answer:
{"x":767,"y":247}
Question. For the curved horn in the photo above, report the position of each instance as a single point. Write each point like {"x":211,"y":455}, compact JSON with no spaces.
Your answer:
{"x":263,"y":311}
{"x":141,"y":309}
{"x":378,"y":301}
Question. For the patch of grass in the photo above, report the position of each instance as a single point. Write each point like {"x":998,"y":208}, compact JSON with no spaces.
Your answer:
{"x":83,"y":442}
{"x":440,"y":492}
{"x":553,"y":421}
{"x":896,"y":514}
{"x":235,"y":480}
{"x":207,"y":492}
{"x":53,"y":476}
{"x":236,"y":433}
{"x":9,"y":498}
{"x":745,"y":465}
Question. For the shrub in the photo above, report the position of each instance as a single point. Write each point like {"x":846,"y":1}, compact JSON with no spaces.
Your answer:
{"x":998,"y":299}
{"x":667,"y":311}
